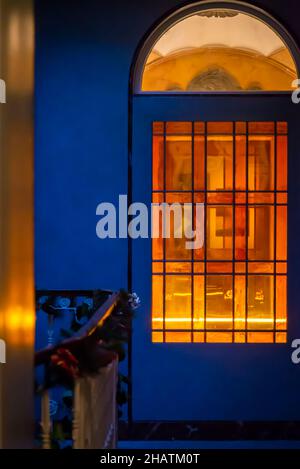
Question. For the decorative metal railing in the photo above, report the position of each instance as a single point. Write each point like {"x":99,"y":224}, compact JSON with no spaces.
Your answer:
{"x":91,"y":370}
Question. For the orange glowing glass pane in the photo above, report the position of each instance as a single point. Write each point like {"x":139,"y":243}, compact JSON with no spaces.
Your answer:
{"x":219,"y":302}
{"x":219,"y":228}
{"x":219,"y":127}
{"x":281,"y":337}
{"x":219,"y":163}
{"x":239,"y":301}
{"x":261,"y":198}
{"x":240,"y":197}
{"x":157,"y":337}
{"x":179,"y":128}
{"x":199,"y":337}
{"x":158,"y":128}
{"x":282,"y":127}
{"x":178,"y":267}
{"x":281,"y":302}
{"x":157,"y":242}
{"x":281,"y":267}
{"x":199,"y":127}
{"x":199,"y":163}
{"x":199,"y":199}
{"x":157,"y":301}
{"x":219,"y":267}
{"x":261,"y":163}
{"x":281,"y":233}
{"x":260,"y":300}
{"x":178,"y":221}
{"x":282,"y":168}
{"x":240,"y":127}
{"x":199,"y":267}
{"x":178,"y":163}
{"x":240,"y":267}
{"x":218,"y":337}
{"x":198,"y":302}
{"x":240,"y":232}
{"x":281,"y":198}
{"x":260,"y":267}
{"x":178,"y":302}
{"x":261,"y":128}
{"x":220,"y":198}
{"x":261,"y":232}
{"x":158,"y":163}
{"x":240,"y":163}
{"x":178,"y":337}
{"x":260,"y":337}
{"x":239,"y":337}
{"x":157,"y":267}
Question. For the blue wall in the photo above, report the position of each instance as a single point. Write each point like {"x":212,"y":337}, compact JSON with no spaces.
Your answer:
{"x":84,"y":50}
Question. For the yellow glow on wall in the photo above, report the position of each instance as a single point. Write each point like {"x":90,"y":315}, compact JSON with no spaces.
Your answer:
{"x":17,"y":304}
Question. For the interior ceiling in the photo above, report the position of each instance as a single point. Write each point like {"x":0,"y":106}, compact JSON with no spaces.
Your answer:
{"x":239,"y":31}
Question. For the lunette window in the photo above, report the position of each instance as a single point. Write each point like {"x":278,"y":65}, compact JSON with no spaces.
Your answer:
{"x":219,"y":50}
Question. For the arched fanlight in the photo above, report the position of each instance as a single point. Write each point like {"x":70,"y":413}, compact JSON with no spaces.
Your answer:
{"x":218,"y":13}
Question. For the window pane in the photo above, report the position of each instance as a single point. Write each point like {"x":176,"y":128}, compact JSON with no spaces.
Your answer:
{"x":281,"y":230}
{"x":240,"y":302}
{"x":261,"y":164}
{"x":240,"y":232}
{"x":219,"y":233}
{"x":219,"y":302}
{"x":157,"y":301}
{"x":260,"y":302}
{"x":219,"y":50}
{"x":157,"y":243}
{"x":178,"y":302}
{"x":179,"y":222}
{"x":282,"y":163}
{"x":281,"y":302}
{"x":219,"y":163}
{"x":240,"y":163}
{"x":158,"y":163}
{"x":198,"y":302}
{"x":179,"y":163}
{"x":199,"y":163}
{"x":261,"y":233}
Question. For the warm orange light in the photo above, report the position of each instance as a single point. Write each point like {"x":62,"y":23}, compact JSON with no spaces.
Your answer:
{"x":234,"y":288}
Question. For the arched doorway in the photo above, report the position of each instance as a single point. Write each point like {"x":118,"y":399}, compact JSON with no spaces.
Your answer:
{"x":210,"y":127}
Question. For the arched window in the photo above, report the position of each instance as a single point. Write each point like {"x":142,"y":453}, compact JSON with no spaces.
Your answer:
{"x":218,"y":50}
{"x":233,"y":288}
